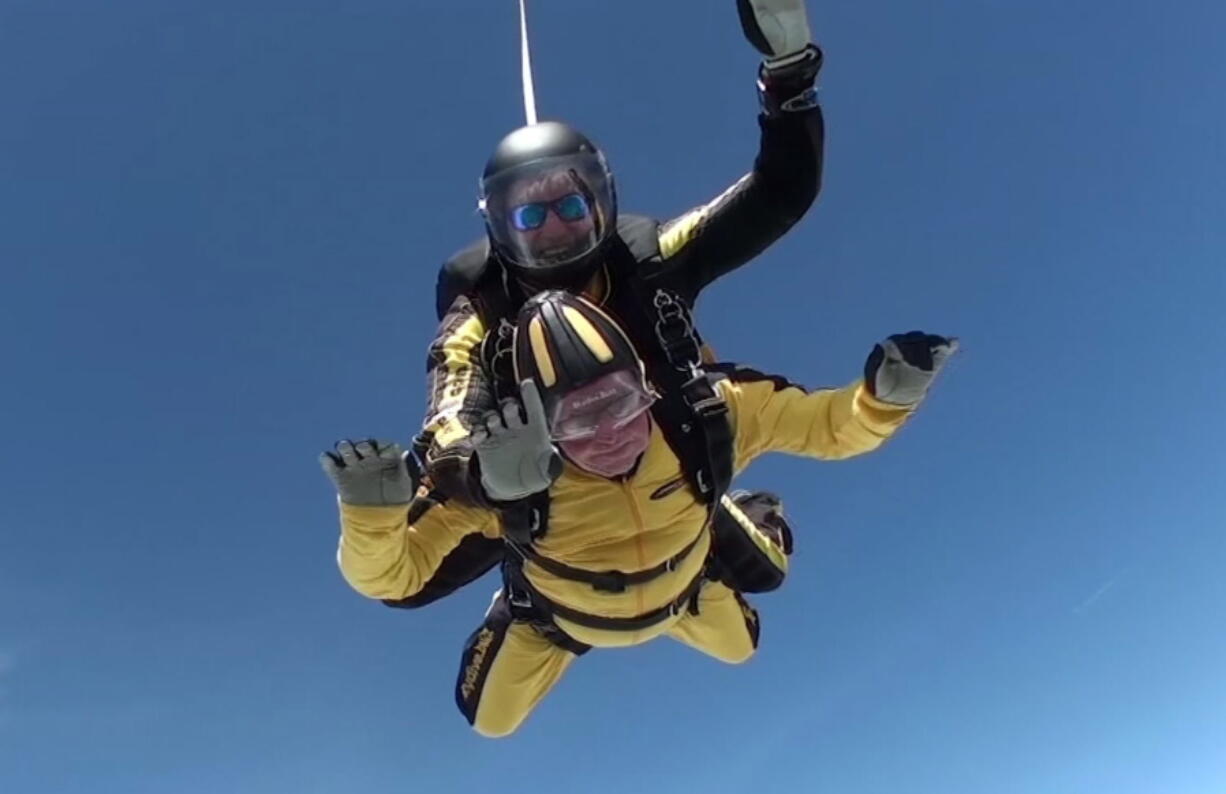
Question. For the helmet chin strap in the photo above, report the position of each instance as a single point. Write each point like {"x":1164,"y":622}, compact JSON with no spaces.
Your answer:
{"x":526,"y":65}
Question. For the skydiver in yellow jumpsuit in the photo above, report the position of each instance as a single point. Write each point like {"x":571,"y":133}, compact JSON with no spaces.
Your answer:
{"x":585,"y":422}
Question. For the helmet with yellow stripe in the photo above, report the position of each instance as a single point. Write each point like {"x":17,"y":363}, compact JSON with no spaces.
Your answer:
{"x":564,"y":343}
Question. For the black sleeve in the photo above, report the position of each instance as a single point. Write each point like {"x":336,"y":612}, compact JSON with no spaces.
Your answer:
{"x":446,"y":291}
{"x":473,"y":557}
{"x":720,"y":236}
{"x":466,"y":563}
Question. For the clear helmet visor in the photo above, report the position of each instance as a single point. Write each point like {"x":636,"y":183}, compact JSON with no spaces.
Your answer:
{"x":551,"y":211}
{"x":613,"y":401}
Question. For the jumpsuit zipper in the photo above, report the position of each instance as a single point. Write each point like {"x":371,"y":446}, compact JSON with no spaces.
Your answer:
{"x":640,"y":528}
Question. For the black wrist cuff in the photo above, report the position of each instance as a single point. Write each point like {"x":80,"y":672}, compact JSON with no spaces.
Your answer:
{"x":790,"y":88}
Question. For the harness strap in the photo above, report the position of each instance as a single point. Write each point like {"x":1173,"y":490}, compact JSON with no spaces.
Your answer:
{"x":525,"y":520}
{"x":604,"y":581}
{"x":674,"y":329}
{"x":523,"y":595}
{"x":498,"y":357}
{"x":695,"y":420}
{"x":415,"y":457}
{"x":711,"y":411}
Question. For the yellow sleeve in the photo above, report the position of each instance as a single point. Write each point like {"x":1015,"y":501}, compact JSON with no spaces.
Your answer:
{"x":382,"y":555}
{"x":772,"y":415}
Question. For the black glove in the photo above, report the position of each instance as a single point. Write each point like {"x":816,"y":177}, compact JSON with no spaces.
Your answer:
{"x":791,"y":87}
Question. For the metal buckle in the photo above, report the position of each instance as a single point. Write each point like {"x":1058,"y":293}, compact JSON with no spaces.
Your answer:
{"x":710,"y":408}
{"x":501,"y":357}
{"x":672,"y":320}
{"x":519,"y":598}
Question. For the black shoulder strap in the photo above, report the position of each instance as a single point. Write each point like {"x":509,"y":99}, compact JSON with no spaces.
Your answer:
{"x":527,"y":519}
{"x":691,"y":413}
{"x":713,"y":475}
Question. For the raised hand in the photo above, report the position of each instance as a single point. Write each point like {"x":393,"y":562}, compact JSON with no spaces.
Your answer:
{"x":516,"y":456}
{"x":901,"y":368}
{"x":369,"y":473}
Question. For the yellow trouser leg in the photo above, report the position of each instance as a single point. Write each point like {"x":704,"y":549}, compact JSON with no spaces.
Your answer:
{"x":725,"y":627}
{"x":506,"y":669}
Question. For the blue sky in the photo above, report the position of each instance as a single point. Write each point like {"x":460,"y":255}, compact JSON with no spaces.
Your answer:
{"x":221,"y":225}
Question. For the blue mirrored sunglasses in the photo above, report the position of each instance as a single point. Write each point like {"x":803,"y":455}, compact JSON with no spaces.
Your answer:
{"x":570,"y":208}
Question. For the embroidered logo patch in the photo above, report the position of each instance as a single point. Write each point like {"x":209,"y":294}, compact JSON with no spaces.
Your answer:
{"x":472,"y":673}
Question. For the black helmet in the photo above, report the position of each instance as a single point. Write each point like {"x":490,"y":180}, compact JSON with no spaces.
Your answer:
{"x":563,"y":341}
{"x":541,"y":170}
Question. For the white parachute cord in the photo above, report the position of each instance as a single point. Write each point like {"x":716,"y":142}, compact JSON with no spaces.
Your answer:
{"x":526,"y":58}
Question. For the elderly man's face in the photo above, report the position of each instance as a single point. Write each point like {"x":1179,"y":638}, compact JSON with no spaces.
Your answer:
{"x":604,"y":427}
{"x":568,"y":225}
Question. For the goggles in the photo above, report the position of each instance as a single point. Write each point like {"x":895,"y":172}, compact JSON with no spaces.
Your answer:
{"x":570,"y":208}
{"x":585,"y":201}
{"x":619,"y":402}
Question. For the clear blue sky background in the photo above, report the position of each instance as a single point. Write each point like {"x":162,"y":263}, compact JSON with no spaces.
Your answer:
{"x":220,"y":225}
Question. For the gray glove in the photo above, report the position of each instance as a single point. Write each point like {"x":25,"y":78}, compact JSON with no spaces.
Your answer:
{"x":514,"y":452}
{"x":369,"y":473}
{"x":900,"y":369}
{"x":779,"y":29}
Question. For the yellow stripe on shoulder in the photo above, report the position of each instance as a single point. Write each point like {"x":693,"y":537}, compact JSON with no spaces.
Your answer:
{"x":472,"y":330}
{"x":675,"y":235}
{"x":678,"y":233}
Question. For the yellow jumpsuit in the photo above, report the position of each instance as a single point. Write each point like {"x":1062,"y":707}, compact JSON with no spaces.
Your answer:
{"x":598,"y":524}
